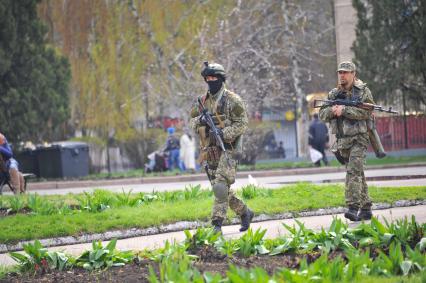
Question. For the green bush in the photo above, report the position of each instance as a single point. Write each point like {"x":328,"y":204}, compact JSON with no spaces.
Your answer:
{"x":16,"y":203}
{"x":252,"y":243}
{"x":103,"y":257}
{"x":201,"y":237}
{"x":37,"y":259}
{"x":97,"y":201}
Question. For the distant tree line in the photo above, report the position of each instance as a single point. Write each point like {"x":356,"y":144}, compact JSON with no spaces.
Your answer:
{"x":390,"y":49}
{"x":134,"y":60}
{"x":34,"y":76}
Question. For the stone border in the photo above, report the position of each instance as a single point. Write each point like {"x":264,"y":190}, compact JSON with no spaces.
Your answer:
{"x":188,"y":225}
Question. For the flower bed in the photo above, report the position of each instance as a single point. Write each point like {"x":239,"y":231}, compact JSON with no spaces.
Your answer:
{"x":302,"y":255}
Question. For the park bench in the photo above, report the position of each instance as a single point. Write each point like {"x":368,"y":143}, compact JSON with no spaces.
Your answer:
{"x":5,"y":180}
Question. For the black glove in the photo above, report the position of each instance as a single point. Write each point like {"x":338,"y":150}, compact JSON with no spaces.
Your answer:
{"x":203,"y":120}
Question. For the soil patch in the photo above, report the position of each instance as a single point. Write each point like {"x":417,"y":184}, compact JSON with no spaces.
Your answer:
{"x":138,"y":271}
{"x":133,"y":272}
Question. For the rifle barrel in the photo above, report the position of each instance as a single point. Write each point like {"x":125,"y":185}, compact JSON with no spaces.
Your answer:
{"x":353,"y":103}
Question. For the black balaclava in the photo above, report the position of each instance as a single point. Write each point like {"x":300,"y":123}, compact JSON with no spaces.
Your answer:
{"x":215,"y":86}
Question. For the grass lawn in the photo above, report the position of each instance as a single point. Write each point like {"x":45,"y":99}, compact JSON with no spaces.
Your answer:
{"x":294,"y":198}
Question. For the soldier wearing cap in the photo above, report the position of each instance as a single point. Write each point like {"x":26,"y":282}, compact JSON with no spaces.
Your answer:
{"x":349,"y":125}
{"x":229,"y":115}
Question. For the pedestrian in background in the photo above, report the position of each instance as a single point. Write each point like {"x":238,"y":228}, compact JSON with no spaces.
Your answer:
{"x":187,"y":150}
{"x":318,"y":138}
{"x":173,"y":147}
{"x":9,"y":167}
{"x":280,"y":150}
{"x":349,"y":124}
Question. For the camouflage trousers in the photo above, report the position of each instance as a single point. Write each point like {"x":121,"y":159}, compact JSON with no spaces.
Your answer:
{"x":356,"y":191}
{"x":224,"y":172}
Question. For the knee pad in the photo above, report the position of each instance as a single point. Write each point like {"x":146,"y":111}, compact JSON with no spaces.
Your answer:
{"x":220,"y":191}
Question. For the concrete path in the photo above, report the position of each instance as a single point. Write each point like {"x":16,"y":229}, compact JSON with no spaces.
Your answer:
{"x":267,"y":182}
{"x":274,"y":229}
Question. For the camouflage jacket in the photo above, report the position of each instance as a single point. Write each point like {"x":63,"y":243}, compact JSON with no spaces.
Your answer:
{"x":229,"y":113}
{"x":353,"y":122}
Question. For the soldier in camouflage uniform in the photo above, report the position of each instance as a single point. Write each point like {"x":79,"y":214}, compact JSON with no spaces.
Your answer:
{"x":229,"y":115}
{"x":349,"y":124}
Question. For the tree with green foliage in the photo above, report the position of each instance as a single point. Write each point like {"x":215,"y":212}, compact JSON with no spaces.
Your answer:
{"x":390,"y":49}
{"x":34,"y":78}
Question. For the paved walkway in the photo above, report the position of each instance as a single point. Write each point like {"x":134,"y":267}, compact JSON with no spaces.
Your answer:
{"x":274,"y":229}
{"x":267,"y":179}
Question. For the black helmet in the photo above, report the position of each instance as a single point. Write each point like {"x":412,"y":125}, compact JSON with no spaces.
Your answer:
{"x":213,"y":69}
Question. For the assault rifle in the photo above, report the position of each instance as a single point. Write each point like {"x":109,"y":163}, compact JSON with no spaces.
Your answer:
{"x":355,"y":103}
{"x":213,"y":129}
{"x":376,"y":144}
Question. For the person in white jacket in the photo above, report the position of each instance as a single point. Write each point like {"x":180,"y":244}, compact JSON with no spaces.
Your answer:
{"x":187,"y":150}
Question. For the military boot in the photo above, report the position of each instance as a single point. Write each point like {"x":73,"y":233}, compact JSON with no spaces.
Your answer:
{"x":246,"y":220}
{"x":365,"y":214}
{"x":352,"y":214}
{"x":217,"y":226}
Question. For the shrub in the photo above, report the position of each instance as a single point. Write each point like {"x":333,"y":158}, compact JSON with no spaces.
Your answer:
{"x":38,"y":260}
{"x":16,"y":203}
{"x":202,"y":236}
{"x":252,"y":243}
{"x":98,"y":201}
{"x":125,"y":199}
{"x":103,"y":257}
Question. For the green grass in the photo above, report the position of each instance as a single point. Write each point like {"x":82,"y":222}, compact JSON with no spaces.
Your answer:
{"x":294,"y":198}
{"x":69,"y":199}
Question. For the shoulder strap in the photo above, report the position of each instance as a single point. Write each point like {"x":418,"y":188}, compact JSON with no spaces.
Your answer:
{"x":221,"y":105}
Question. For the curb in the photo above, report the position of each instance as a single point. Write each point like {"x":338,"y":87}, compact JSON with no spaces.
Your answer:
{"x":201,"y":177}
{"x":187,"y":225}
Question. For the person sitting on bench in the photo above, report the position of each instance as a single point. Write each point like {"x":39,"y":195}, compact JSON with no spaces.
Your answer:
{"x":9,"y":167}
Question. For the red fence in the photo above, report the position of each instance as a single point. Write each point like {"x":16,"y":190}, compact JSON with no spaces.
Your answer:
{"x":392,"y":133}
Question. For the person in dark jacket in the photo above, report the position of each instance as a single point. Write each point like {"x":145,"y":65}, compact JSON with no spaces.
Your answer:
{"x":318,"y":138}
{"x":173,"y":148}
{"x":280,"y":150}
{"x":9,"y":167}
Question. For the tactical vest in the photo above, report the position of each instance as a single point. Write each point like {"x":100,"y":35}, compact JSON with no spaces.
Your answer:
{"x":221,"y":117}
{"x":344,"y":127}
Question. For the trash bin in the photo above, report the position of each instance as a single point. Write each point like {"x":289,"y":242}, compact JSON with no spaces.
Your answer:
{"x":28,"y":162}
{"x":64,"y":160}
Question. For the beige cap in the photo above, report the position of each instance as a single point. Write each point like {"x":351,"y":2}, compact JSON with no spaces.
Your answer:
{"x":346,"y":66}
